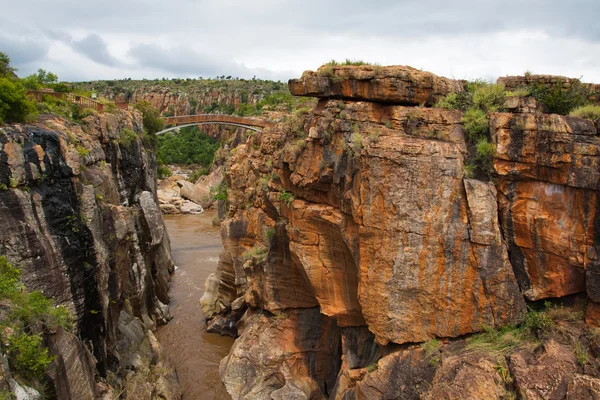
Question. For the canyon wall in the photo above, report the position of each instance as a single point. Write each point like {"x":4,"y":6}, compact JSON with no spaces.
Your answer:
{"x":80,"y":219}
{"x":359,"y":257}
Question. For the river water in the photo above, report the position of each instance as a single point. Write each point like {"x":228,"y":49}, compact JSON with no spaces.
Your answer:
{"x":195,"y":245}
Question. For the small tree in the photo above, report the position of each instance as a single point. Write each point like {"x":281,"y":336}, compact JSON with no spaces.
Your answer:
{"x":5,"y":68}
{"x":14,"y":106}
{"x":152,"y":121}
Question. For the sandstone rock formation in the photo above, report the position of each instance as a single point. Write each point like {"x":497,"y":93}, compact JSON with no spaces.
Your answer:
{"x":362,"y":208}
{"x":80,"y":219}
{"x":399,"y":84}
{"x":548,"y":169}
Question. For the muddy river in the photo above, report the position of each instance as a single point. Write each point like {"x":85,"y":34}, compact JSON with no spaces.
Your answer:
{"x":195,"y":245}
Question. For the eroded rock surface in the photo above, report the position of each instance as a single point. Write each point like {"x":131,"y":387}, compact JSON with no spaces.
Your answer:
{"x":80,"y":219}
{"x":398,"y":84}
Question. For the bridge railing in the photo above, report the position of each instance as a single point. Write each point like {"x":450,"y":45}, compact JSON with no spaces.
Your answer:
{"x":82,"y":101}
{"x":217,"y":118}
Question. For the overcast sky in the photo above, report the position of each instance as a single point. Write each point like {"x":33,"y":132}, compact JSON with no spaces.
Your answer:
{"x":278,"y":39}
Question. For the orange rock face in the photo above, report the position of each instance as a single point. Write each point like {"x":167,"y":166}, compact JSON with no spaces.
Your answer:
{"x":378,"y":228}
{"x":396,"y":84}
{"x":549,"y":177}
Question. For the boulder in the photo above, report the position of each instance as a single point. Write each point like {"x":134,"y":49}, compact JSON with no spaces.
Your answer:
{"x":394,"y":84}
{"x":543,"y":373}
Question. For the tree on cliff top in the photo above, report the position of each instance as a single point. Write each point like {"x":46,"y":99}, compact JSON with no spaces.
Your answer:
{"x":14,"y":106}
{"x":5,"y":68}
{"x":152,"y":121}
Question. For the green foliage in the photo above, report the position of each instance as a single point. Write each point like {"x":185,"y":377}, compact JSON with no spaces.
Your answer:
{"x":348,"y":61}
{"x":356,"y":139}
{"x":590,"y":111}
{"x":270,"y":235}
{"x":152,"y":121}
{"x":78,"y":113}
{"x":194,"y":176}
{"x":5,"y":69}
{"x":489,"y":97}
{"x":581,"y":354}
{"x":27,"y":309}
{"x":127,"y":137}
{"x":519,"y":92}
{"x":10,"y":279}
{"x":286,"y":197}
{"x":469,"y":170}
{"x":484,"y":155}
{"x":45,"y":77}
{"x":189,"y":146}
{"x":257,"y":253}
{"x":538,"y":322}
{"x":372,"y":367}
{"x":559,"y":100}
{"x":499,"y":341}
{"x":30,"y":357}
{"x":163,"y":172}
{"x":432,"y":351}
{"x":14,"y":106}
{"x":82,"y":151}
{"x":219,"y":192}
{"x":476,"y":124}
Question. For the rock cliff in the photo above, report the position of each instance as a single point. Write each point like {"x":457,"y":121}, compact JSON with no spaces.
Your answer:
{"x":353,"y":233}
{"x":80,"y":220}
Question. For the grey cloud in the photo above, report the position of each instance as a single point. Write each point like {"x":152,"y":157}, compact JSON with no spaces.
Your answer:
{"x":408,"y":18}
{"x":24,"y":51}
{"x":182,"y":61}
{"x":93,"y":47}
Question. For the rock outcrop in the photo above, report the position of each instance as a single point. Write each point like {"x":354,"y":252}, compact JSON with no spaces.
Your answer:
{"x":80,"y":219}
{"x":548,"y":167}
{"x":362,"y":209}
{"x":399,"y":84}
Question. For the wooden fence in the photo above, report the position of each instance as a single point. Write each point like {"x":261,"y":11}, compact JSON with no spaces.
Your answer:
{"x":82,"y":101}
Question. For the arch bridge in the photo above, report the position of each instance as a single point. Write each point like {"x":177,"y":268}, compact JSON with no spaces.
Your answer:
{"x":255,"y":124}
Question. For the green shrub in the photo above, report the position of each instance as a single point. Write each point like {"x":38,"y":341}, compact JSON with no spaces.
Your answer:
{"x":219,"y":192}
{"x":194,"y":176}
{"x":590,"y":111}
{"x":476,"y":124}
{"x":356,"y":139}
{"x":163,"y":172}
{"x":469,"y":171}
{"x":519,"y":92}
{"x":484,"y":155}
{"x":10,"y":279}
{"x":499,"y":341}
{"x":270,"y":235}
{"x":127,"y":137}
{"x":489,"y":97}
{"x":258,"y":253}
{"x":432,"y":351}
{"x":30,"y":357}
{"x":286,"y":197}
{"x":152,"y":121}
{"x":82,"y":151}
{"x":538,"y":322}
{"x":189,"y":146}
{"x":559,"y":100}
{"x":14,"y":106}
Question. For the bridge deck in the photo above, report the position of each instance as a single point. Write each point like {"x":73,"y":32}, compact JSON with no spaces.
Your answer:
{"x":218,"y":118}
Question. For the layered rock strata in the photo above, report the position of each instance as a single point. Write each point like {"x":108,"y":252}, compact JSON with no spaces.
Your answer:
{"x":364,"y":212}
{"x":398,"y":84}
{"x":361,"y":209}
{"x":80,"y":219}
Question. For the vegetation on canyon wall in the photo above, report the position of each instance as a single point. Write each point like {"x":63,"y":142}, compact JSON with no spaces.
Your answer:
{"x":26,"y":315}
{"x":480,"y":98}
